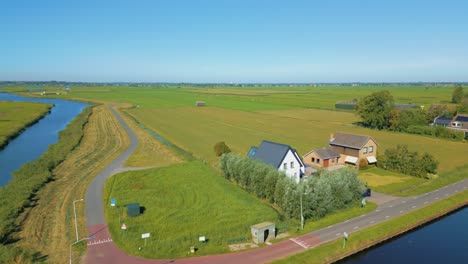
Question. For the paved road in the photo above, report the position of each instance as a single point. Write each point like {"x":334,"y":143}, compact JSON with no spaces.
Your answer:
{"x":102,"y":250}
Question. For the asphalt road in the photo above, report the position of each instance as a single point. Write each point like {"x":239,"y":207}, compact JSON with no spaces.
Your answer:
{"x":102,"y":250}
{"x":94,"y":208}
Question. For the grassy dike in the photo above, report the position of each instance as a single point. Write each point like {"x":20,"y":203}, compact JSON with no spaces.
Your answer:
{"x":361,"y":240}
{"x":20,"y":193}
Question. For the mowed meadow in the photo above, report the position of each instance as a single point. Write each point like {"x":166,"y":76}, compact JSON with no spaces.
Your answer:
{"x":301,"y":116}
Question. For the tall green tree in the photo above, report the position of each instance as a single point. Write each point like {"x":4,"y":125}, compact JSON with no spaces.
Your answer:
{"x":375,"y":109}
{"x":457,"y":95}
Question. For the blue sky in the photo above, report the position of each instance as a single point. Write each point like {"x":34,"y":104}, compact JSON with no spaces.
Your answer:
{"x":234,"y":41}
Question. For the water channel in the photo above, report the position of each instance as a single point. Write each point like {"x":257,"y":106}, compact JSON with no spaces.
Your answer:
{"x":35,"y":140}
{"x":443,"y":241}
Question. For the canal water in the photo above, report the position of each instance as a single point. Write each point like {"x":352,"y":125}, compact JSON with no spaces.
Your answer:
{"x":443,"y":241}
{"x":35,"y":140}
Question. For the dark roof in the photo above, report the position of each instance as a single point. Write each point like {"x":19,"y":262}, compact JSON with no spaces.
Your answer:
{"x":461,"y":118}
{"x":326,"y":153}
{"x":349,"y":140}
{"x":271,"y":153}
{"x":406,"y":106}
{"x":442,"y":120}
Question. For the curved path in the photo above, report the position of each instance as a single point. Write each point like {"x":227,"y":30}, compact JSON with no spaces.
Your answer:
{"x":102,"y":250}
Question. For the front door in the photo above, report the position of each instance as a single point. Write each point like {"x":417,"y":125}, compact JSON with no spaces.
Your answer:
{"x":325,"y":163}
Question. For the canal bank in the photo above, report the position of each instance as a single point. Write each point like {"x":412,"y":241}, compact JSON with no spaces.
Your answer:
{"x":434,"y":203}
{"x":15,"y":133}
{"x":36,"y":139}
{"x":353,"y":257}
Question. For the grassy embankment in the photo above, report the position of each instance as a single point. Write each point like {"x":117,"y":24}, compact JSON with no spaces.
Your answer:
{"x":21,"y":194}
{"x":189,"y":200}
{"x":16,"y":116}
{"x":362,"y":239}
{"x":49,"y":226}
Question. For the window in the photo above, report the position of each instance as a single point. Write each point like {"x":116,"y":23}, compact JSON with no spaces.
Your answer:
{"x":292,"y":164}
{"x":318,"y":160}
{"x":364,"y":150}
{"x":285,"y":166}
{"x":371,"y":149}
{"x":313,"y":159}
{"x":337,"y":160}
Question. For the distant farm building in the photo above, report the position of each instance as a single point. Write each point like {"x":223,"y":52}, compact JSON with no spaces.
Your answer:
{"x":280,"y":156}
{"x":406,"y":106}
{"x":351,"y":105}
{"x":200,"y":103}
{"x":443,"y":121}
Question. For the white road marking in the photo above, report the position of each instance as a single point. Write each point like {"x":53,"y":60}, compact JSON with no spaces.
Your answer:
{"x":403,"y":201}
{"x":446,"y":194}
{"x":425,"y":202}
{"x":414,"y":206}
{"x":362,"y":215}
{"x":338,"y":234}
{"x":391,"y":206}
{"x":299,"y":242}
{"x":401,"y":212}
{"x":378,"y":210}
{"x":387,"y":216}
{"x":94,"y":242}
{"x":356,"y":227}
{"x":464,"y":187}
{"x":371,"y":222}
{"x":330,"y":226}
{"x":437,"y":198}
{"x":346,"y":221}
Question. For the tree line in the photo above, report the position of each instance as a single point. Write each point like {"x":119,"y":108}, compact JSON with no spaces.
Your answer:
{"x":20,"y":192}
{"x":378,"y":110}
{"x":330,"y":191}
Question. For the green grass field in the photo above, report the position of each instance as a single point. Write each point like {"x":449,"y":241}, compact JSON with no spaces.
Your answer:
{"x":389,"y":182}
{"x":15,"y":116}
{"x":182,"y":202}
{"x":185,"y":201}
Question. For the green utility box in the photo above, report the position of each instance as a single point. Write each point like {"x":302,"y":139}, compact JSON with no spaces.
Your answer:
{"x":133,"y":209}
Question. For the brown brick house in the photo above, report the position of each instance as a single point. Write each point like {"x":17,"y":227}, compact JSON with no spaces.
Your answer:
{"x":321,"y":158}
{"x":353,"y":148}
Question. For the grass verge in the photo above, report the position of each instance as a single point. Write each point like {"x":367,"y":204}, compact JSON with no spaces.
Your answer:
{"x":362,"y":239}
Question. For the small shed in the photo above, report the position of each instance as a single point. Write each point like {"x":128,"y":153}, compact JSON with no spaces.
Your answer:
{"x":200,"y":103}
{"x":133,"y":209}
{"x":263,"y":232}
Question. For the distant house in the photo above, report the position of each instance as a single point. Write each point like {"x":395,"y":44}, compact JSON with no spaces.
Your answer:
{"x":321,"y":158}
{"x":353,"y":148}
{"x":200,"y":103}
{"x":443,"y":121}
{"x":460,"y":122}
{"x":280,"y":156}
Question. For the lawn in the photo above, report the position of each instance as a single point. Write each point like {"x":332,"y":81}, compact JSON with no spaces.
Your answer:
{"x":15,"y":116}
{"x":389,"y":182}
{"x":182,"y":202}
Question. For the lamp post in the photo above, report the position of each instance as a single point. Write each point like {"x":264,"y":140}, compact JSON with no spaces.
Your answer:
{"x":74,"y":212}
{"x":86,"y":238}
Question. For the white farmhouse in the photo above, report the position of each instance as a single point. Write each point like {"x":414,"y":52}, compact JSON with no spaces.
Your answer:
{"x":280,"y":156}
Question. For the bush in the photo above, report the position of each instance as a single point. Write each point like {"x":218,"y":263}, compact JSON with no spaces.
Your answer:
{"x":363,"y":164}
{"x":400,"y":159}
{"x":221,"y":148}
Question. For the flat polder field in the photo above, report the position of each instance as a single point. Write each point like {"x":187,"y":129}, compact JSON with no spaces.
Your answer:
{"x":190,"y":199}
{"x":301,"y":116}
